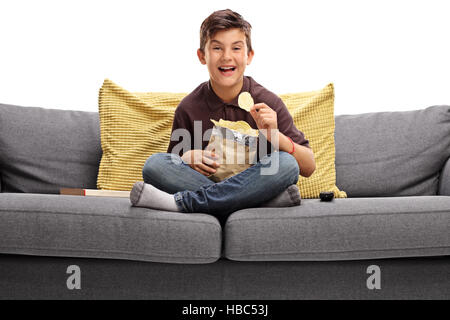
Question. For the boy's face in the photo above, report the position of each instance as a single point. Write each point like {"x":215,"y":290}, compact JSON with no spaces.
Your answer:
{"x":226,"y":56}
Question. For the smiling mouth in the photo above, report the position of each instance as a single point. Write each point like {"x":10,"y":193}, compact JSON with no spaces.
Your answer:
{"x":227,"y":69}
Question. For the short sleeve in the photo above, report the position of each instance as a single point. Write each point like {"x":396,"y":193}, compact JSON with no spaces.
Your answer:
{"x":286,"y":124}
{"x":180,"y":121}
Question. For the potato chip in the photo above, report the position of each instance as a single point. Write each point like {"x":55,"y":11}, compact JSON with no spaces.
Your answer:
{"x":240,"y":126}
{"x":245,"y":101}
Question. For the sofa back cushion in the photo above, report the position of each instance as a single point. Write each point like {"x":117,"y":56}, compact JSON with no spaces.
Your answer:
{"x":42,"y":150}
{"x":392,"y":153}
{"x":444,"y":180}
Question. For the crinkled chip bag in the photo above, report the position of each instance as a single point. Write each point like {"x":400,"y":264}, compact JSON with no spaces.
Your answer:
{"x":235,"y":143}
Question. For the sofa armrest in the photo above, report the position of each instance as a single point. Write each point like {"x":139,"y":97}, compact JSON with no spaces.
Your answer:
{"x":444,"y":180}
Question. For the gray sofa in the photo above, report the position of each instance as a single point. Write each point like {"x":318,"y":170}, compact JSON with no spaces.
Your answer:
{"x":394,"y":167}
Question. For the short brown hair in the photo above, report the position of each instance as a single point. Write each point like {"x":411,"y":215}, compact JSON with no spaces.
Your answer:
{"x":223,"y":20}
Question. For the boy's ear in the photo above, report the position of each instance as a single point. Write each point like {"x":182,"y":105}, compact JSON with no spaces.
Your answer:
{"x":250,"y":57}
{"x":201,"y":56}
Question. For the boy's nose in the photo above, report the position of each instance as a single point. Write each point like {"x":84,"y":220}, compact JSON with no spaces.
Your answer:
{"x":226,"y":54}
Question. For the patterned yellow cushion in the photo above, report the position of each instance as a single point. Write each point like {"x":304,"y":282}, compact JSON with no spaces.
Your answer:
{"x":313,"y":114}
{"x":136,"y":125}
{"x":133,"y":126}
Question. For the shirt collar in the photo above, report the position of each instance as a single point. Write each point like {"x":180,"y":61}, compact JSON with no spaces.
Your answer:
{"x":214,"y":102}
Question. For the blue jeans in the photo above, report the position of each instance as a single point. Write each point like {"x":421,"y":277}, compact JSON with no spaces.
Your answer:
{"x":194,"y":192}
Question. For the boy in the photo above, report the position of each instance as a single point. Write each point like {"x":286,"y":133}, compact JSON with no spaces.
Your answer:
{"x":177,"y":183}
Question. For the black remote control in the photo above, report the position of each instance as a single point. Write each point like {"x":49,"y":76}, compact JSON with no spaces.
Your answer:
{"x":326,"y":196}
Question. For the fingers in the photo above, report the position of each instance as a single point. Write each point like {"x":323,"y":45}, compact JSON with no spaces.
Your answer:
{"x":265,"y":111}
{"x":205,"y":163}
{"x":202,"y":161}
{"x":210,"y":159}
{"x":198,"y":169}
{"x":210,"y":154}
{"x":260,"y":110}
{"x":206,"y":170}
{"x":197,"y":157}
{"x":209,"y":148}
{"x":210,"y":162}
{"x":254,"y":110}
{"x":259,"y":107}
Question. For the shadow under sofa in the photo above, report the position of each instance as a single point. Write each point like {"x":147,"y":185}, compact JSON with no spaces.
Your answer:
{"x":394,"y":167}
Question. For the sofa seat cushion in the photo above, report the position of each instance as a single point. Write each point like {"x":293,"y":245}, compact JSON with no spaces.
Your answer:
{"x":344,"y":229}
{"x":99,"y":227}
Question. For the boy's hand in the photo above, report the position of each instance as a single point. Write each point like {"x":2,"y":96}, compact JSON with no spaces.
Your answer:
{"x":201,"y":161}
{"x":265,"y":118}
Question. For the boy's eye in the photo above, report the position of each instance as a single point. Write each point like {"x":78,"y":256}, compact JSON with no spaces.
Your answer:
{"x":218,"y":48}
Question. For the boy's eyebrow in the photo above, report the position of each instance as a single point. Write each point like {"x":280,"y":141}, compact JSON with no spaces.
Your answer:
{"x":236,"y":42}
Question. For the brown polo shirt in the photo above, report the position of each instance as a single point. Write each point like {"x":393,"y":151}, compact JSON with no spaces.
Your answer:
{"x":203,"y":104}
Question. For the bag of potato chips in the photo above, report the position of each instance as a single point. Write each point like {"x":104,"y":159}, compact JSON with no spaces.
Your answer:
{"x":235,"y":143}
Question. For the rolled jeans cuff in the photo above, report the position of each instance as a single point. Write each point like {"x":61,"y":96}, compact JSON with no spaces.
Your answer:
{"x":179,"y":201}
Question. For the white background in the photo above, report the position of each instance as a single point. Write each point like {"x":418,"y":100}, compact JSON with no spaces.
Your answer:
{"x":381,"y":55}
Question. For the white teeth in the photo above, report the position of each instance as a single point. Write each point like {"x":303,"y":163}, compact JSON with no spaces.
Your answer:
{"x":226,"y":68}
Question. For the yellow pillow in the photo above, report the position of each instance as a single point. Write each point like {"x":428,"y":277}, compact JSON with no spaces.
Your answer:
{"x":313,"y":114}
{"x":133,"y":126}
{"x":136,"y":125}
